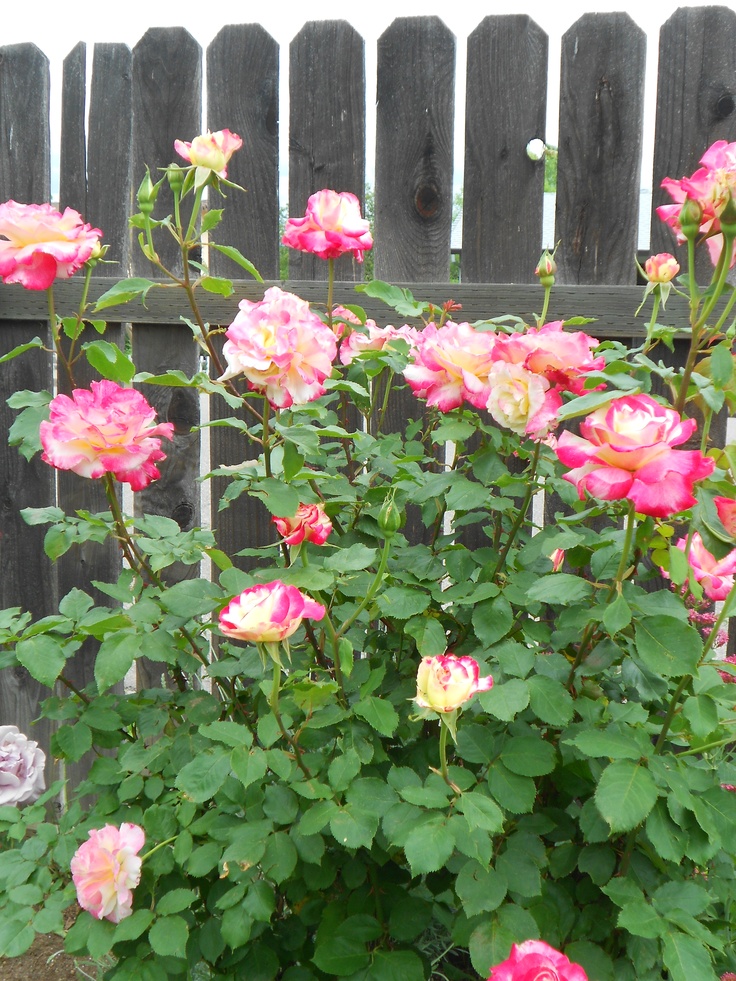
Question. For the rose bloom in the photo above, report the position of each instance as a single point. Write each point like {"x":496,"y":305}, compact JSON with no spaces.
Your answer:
{"x":450,"y":364}
{"x":726,"y":509}
{"x":562,"y":357}
{"x":209,"y":153}
{"x":39,"y":245}
{"x":109,"y":429}
{"x":521,"y":400}
{"x":446,"y":682}
{"x":331,"y":226}
{"x":714,"y":575}
{"x":309,"y":524}
{"x":21,"y":767}
{"x":268,"y":612}
{"x":282,"y":348}
{"x":711,"y":187}
{"x":534,"y":960}
{"x":376,"y":339}
{"x":626,"y":451}
{"x":106,"y":869}
{"x":661,"y":268}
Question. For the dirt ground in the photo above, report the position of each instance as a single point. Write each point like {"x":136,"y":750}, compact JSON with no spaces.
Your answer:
{"x":45,"y":961}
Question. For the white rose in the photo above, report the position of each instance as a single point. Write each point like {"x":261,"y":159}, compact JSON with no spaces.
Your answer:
{"x":21,"y":767}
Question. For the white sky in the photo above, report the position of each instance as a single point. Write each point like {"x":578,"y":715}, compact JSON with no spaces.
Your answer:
{"x":57,"y":34}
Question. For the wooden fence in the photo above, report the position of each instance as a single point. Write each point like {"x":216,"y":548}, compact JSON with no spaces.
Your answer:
{"x":137,"y":102}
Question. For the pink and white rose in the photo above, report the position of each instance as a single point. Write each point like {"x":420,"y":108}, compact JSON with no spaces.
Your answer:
{"x":309,"y":524}
{"x":331,"y":226}
{"x":726,"y":510}
{"x":210,"y":153}
{"x":445,"y":682}
{"x":450,"y":364}
{"x":106,"y":869}
{"x":562,"y":357}
{"x":534,"y":960}
{"x":282,"y":348}
{"x":108,"y":429}
{"x":21,"y":767}
{"x":39,"y":244}
{"x":661,"y":268}
{"x":625,"y":450}
{"x":521,"y":400}
{"x":376,"y":339}
{"x":714,"y":575}
{"x":268,"y":613}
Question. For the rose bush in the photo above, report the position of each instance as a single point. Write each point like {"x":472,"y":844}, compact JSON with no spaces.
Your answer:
{"x":325,"y":791}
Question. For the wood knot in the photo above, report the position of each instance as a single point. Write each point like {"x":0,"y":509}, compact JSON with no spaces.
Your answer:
{"x":724,"y":106}
{"x":427,"y":200}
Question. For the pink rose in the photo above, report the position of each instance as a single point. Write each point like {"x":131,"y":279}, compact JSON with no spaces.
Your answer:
{"x":730,"y":679}
{"x":21,"y":767}
{"x":376,"y":339}
{"x":563,"y":357}
{"x":726,"y":509}
{"x":331,"y":226}
{"x":309,"y":524}
{"x":446,"y":682}
{"x":714,"y":575}
{"x":40,"y":245}
{"x":282,"y":348}
{"x":521,"y":400}
{"x":534,"y":960}
{"x":625,"y":451}
{"x":557,"y":558}
{"x":661,"y":268}
{"x":451,"y":364}
{"x":106,"y":869}
{"x":106,"y":430}
{"x":268,"y":612}
{"x":209,"y":153}
{"x":710,"y":187}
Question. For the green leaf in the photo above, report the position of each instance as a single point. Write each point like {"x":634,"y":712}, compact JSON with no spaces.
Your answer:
{"x":217,"y":284}
{"x":529,"y":756}
{"x":281,"y":499}
{"x":21,"y":349}
{"x":617,"y":615}
{"x":134,"y":925}
{"x":110,"y":361}
{"x":550,"y":700}
{"x":232,"y":734}
{"x":479,"y":889}
{"x":668,"y":647}
{"x":123,"y":292}
{"x":340,"y":954}
{"x":353,"y":827}
{"x":585,"y":404}
{"x":400,"y":299}
{"x":115,"y":658}
{"x":492,"y":620}
{"x":513,"y":792}
{"x":615,"y":742}
{"x":237,"y":256}
{"x":596,"y":962}
{"x":490,"y":942}
{"x":168,"y":936}
{"x":24,"y":433}
{"x":481,"y":811}
{"x":174,"y":901}
{"x":392,"y":965}
{"x":429,"y":846}
{"x":702,"y":714}
{"x":686,"y":958}
{"x":561,"y":588}
{"x":402,"y":602}
{"x":351,"y":559}
{"x":625,"y":795}
{"x":505,"y":701}
{"x":379,"y":714}
{"x":202,"y":777}
{"x":43,"y":657}
{"x":641,"y":919}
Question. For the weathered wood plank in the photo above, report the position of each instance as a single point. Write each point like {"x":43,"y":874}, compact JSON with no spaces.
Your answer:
{"x":696,"y":101}
{"x":242,"y":87}
{"x":27,"y":579}
{"x":599,"y":163}
{"x":73,"y":174}
{"x":503,"y":189}
{"x":614,"y":307}
{"x":414,"y":144}
{"x":167,"y":100}
{"x":326,"y":128}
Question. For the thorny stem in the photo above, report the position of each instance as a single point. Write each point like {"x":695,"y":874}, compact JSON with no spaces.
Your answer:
{"x":443,"y":752}
{"x":155,"y":848}
{"x":274,"y":704}
{"x":545,"y":305}
{"x":521,"y":515}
